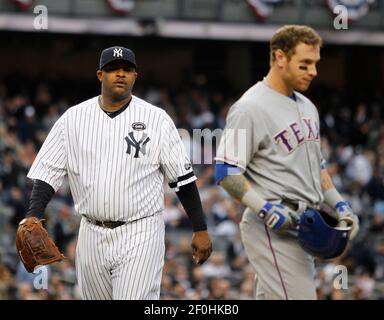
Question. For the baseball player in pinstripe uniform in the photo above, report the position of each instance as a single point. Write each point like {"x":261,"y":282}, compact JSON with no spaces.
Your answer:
{"x":276,"y":170}
{"x":116,"y":150}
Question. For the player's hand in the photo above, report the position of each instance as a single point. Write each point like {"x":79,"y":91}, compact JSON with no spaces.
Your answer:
{"x":201,"y":246}
{"x":278,"y":217}
{"x":347,"y":218}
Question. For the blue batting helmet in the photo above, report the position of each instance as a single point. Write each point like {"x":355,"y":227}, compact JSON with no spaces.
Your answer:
{"x":319,"y":236}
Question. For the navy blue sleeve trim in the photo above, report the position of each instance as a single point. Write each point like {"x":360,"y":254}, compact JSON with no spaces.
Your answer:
{"x":224,"y":169}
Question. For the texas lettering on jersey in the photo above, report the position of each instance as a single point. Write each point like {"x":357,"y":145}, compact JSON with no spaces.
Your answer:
{"x":296,"y":134}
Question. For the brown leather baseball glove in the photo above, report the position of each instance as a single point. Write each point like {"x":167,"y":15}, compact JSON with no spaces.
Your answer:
{"x":34,"y":245}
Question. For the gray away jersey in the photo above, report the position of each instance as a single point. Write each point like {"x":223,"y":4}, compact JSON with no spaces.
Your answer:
{"x":115,"y":166}
{"x":279,"y":146}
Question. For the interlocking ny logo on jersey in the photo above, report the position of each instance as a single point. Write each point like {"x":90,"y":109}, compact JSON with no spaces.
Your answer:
{"x":138,"y":145}
{"x":117,"y":52}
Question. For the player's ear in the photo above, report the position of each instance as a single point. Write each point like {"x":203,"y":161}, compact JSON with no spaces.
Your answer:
{"x":99,"y":73}
{"x":280,"y":57}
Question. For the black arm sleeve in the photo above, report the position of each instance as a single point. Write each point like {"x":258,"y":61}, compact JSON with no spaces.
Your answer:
{"x":190,"y":199}
{"x":41,"y":194}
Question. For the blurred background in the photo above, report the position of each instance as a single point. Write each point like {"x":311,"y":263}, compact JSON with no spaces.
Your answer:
{"x":195,"y":58}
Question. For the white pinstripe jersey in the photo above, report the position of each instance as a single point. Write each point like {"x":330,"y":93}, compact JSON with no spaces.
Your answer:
{"x":115,"y":166}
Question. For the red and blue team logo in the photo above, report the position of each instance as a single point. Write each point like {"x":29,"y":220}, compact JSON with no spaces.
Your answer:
{"x":23,"y":4}
{"x":356,"y":8}
{"x":263,"y":8}
{"x":121,"y":6}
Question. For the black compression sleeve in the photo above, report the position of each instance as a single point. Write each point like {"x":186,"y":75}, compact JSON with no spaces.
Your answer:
{"x":41,"y":194}
{"x":190,"y":199}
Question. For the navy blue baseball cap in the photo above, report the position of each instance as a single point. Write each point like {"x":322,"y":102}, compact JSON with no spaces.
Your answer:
{"x":116,"y":53}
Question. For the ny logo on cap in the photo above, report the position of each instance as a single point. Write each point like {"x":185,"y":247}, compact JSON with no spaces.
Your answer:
{"x":117,"y":52}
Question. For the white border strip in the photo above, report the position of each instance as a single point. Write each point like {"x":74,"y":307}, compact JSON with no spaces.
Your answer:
{"x":178,"y":29}
{"x":24,"y":22}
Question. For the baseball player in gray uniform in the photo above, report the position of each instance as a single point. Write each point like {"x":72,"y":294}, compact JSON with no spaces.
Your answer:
{"x":116,"y":150}
{"x":269,"y":159}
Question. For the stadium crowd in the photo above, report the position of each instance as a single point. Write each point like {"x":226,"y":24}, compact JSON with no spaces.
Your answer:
{"x":352,"y":143}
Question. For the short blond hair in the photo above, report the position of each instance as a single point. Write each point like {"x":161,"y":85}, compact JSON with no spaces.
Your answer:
{"x":289,"y":36}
